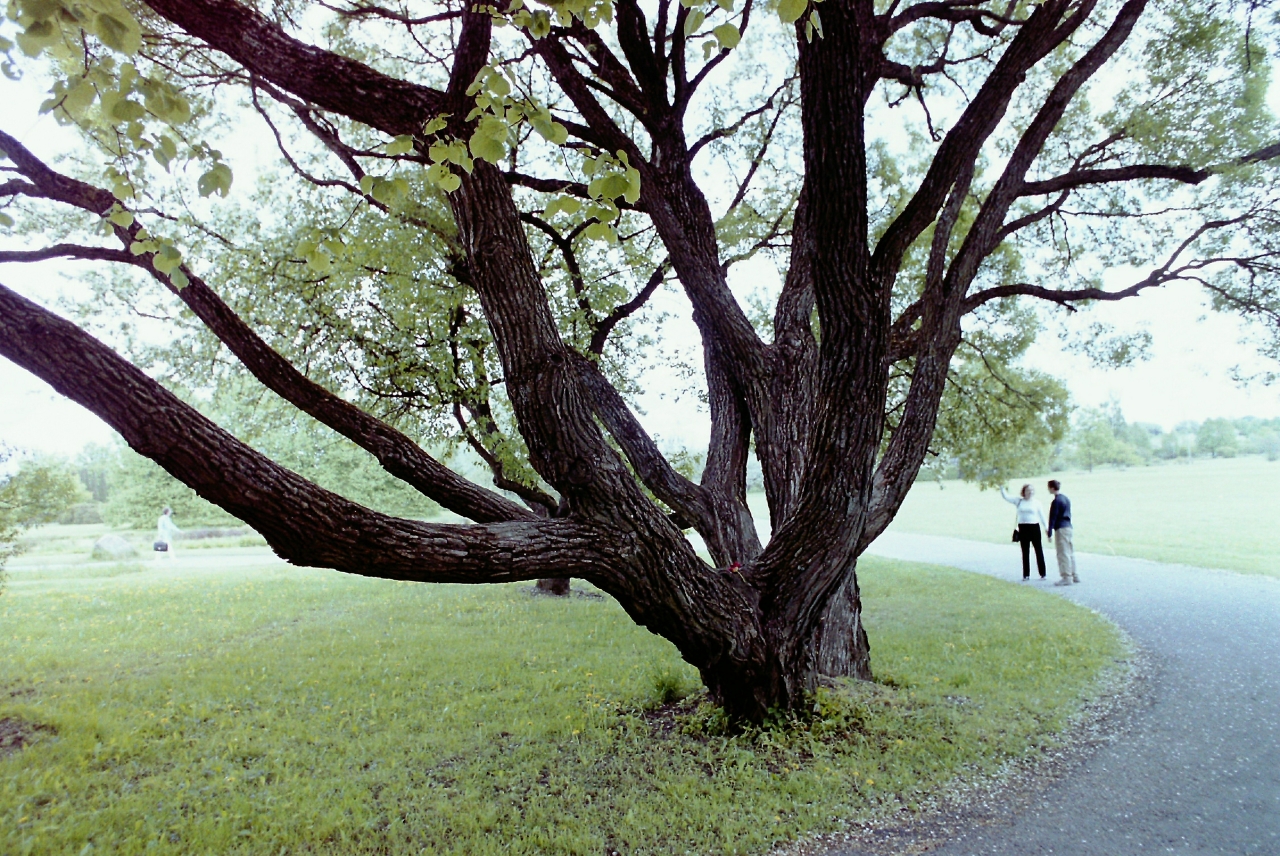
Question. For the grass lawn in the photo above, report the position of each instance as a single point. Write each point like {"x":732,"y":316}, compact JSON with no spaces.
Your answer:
{"x":1210,"y":513}
{"x":57,"y":542}
{"x":278,"y":710}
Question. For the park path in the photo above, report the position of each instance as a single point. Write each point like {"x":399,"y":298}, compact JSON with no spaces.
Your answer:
{"x":1196,"y":769}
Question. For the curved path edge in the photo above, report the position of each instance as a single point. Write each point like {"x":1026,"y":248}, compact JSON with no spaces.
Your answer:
{"x":1192,"y":768}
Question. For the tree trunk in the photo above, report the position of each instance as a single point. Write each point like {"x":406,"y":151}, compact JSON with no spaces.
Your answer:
{"x":554,"y":586}
{"x":843,"y":648}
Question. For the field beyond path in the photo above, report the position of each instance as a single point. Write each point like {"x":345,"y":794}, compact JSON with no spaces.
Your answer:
{"x":1198,"y":770}
{"x":1211,"y":513}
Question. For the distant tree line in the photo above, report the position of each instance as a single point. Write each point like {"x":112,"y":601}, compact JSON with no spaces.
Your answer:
{"x":1101,"y":436}
{"x":36,"y":490}
{"x":112,"y":484}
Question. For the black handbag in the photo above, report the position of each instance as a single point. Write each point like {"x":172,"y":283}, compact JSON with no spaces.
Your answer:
{"x":160,"y":547}
{"x":1017,"y":536}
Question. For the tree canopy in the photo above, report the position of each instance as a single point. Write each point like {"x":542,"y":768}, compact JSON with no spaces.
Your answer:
{"x":477,"y":203}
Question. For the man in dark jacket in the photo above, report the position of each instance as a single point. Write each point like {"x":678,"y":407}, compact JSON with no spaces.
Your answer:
{"x":1060,"y":522}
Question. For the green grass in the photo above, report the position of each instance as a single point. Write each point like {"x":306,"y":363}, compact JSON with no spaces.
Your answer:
{"x":1209,"y":513}
{"x":294,"y":711}
{"x":59,"y":542}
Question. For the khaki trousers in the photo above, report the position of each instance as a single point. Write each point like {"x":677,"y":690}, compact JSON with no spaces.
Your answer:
{"x":1066,"y":554}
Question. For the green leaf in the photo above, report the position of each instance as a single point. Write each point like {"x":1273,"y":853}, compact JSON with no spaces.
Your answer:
{"x":168,"y":259}
{"x":216,"y":180}
{"x":79,"y":98}
{"x":552,"y":132}
{"x":119,"y":32}
{"x":120,"y":217}
{"x":694,"y":21}
{"x":165,"y":151}
{"x":493,"y":127}
{"x":449,"y":183}
{"x":791,"y":10}
{"x":541,"y":24}
{"x":487,"y":148}
{"x":567,"y":204}
{"x":615,"y":184}
{"x":127,"y":110}
{"x":38,"y":36}
{"x":5,"y":220}
{"x":179,"y":279}
{"x":320,"y":263}
{"x":499,"y":85}
{"x":728,"y":36}
{"x":632,"y":193}
{"x":401,"y":145}
{"x":600,"y":232}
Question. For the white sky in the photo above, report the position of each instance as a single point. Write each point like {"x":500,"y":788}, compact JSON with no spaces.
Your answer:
{"x":1188,"y":377}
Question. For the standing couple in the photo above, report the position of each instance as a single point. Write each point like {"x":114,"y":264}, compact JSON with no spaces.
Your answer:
{"x":1031,"y":518}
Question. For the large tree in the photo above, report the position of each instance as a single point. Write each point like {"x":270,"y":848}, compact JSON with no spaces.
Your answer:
{"x":926,"y":165}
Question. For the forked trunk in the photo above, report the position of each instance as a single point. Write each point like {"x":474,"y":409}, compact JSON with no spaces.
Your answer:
{"x":800,"y":641}
{"x":555,"y":586}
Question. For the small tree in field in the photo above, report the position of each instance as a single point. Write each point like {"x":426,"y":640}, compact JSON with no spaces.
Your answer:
{"x":38,"y":491}
{"x":498,"y":188}
{"x":1217,"y":439}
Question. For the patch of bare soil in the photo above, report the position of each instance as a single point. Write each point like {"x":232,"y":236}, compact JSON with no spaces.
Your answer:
{"x":16,"y":733}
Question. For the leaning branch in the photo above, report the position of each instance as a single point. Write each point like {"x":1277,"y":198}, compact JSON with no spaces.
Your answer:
{"x":326,"y":79}
{"x":302,"y":522}
{"x":1168,"y":172}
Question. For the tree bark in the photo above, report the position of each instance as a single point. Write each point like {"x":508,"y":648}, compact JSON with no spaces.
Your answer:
{"x":554,"y":586}
{"x":844,"y":650}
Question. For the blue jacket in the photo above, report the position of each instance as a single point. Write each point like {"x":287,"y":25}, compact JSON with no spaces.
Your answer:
{"x":1059,"y":513}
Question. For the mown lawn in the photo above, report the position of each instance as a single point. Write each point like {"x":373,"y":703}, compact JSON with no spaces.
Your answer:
{"x":1209,"y":513}
{"x":277,"y":711}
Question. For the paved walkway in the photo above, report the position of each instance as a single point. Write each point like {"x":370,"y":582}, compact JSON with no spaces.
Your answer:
{"x":1197,"y":771}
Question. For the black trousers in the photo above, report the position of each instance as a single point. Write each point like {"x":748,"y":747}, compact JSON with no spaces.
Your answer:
{"x":1028,"y":537}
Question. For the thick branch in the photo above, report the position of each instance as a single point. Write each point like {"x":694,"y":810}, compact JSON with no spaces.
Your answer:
{"x":326,"y":79}
{"x":1136,"y":172}
{"x":680,"y":494}
{"x":305,"y":524}
{"x":1037,"y":37}
{"x":958,"y":11}
{"x":68,"y":251}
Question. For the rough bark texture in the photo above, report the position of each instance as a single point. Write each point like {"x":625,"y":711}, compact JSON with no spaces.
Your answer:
{"x":762,"y":623}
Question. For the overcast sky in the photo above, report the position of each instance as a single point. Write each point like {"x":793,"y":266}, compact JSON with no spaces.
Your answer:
{"x":1188,"y":377}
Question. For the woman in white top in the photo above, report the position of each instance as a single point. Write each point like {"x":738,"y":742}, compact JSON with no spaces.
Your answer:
{"x":1030,"y":522}
{"x":166,"y":533}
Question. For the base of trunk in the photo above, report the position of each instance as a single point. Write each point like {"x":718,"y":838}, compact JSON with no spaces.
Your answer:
{"x":555,"y":586}
{"x":843,"y":648}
